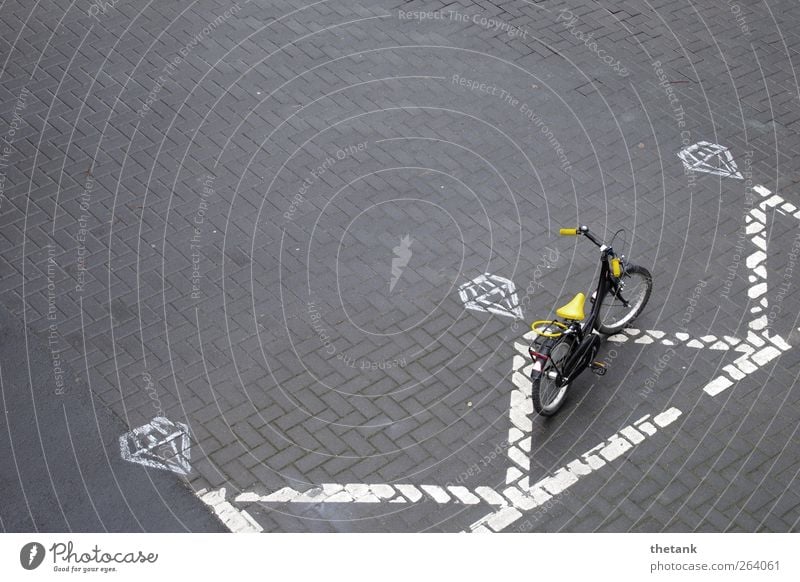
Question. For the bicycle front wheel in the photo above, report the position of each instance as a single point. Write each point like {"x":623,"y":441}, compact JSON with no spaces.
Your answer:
{"x":626,"y":300}
{"x":548,"y":395}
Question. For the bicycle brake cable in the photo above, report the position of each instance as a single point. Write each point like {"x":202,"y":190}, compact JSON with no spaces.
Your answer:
{"x":624,"y":240}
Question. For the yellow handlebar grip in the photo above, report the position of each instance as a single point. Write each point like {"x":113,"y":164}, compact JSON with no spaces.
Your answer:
{"x":568,"y":231}
{"x":616,"y":268}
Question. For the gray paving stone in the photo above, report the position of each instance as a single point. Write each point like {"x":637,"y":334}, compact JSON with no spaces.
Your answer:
{"x":266,"y":400}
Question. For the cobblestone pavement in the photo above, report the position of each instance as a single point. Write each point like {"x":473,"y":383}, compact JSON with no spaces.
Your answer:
{"x":258,"y":218}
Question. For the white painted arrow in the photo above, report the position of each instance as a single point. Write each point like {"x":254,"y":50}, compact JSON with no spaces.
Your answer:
{"x":757,"y":349}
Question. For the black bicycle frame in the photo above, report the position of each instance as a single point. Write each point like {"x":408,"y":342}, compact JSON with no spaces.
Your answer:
{"x":586,"y":332}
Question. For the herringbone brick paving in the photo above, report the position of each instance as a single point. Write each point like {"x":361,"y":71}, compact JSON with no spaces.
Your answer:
{"x":262,"y":100}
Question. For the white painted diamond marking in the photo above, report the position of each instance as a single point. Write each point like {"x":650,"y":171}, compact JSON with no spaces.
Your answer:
{"x":160,"y":444}
{"x":491,"y":294}
{"x":710,"y":158}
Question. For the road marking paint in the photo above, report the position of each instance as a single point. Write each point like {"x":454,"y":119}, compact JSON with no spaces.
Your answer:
{"x":497,"y":295}
{"x":615,"y":448}
{"x":160,"y":444}
{"x":360,"y":492}
{"x":382,"y":491}
{"x":643,"y":424}
{"x":650,"y":336}
{"x":632,"y":435}
{"x":710,"y":158}
{"x":491,"y":294}
{"x":559,"y":481}
{"x":437,"y":493}
{"x":760,"y":347}
{"x":519,"y":499}
{"x":464,"y":495}
{"x":513,"y":474}
{"x":522,"y":497}
{"x":489,"y":495}
{"x":412,"y":493}
{"x":236,"y":520}
{"x":502,"y":518}
{"x":519,"y":413}
{"x":718,"y":384}
{"x":667,"y":417}
{"x":375,"y":493}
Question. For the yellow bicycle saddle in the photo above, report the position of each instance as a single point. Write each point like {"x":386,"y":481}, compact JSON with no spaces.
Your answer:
{"x":574,"y":309}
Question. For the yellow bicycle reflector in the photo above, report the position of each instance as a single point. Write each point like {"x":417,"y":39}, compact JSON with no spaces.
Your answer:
{"x":616,"y":267}
{"x":568,"y":231}
{"x":548,"y":328}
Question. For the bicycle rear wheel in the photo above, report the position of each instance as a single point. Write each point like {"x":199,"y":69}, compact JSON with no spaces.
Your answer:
{"x":547,"y":395}
{"x":626,"y":301}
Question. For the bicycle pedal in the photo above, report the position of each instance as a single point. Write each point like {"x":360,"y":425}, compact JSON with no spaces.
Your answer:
{"x":598,"y":368}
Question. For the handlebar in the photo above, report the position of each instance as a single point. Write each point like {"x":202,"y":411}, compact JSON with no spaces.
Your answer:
{"x":581,"y":230}
{"x":615,"y":263}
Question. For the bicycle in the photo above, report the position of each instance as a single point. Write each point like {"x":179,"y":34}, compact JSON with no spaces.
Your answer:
{"x":565,"y":347}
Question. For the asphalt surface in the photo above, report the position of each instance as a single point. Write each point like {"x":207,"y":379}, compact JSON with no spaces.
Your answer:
{"x":60,"y":456}
{"x":255,"y":218}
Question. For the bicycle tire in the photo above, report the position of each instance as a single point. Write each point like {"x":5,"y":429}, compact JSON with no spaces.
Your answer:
{"x":609,"y":328}
{"x":546,"y":406}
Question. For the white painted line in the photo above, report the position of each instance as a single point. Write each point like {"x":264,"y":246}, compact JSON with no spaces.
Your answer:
{"x":526,"y":498}
{"x":761,"y":346}
{"x":375,"y":493}
{"x":513,"y":474}
{"x":717,"y":385}
{"x":561,"y":480}
{"x":615,"y":448}
{"x":519,"y":457}
{"x":411,"y":493}
{"x":503,"y":518}
{"x":519,"y":499}
{"x":765,"y":355}
{"x":651,"y":336}
{"x":236,"y":520}
{"x":438,"y":494}
{"x":281,"y":496}
{"x":632,"y":435}
{"x":464,"y":495}
{"x":382,"y":491}
{"x":360,"y":492}
{"x":490,"y":496}
{"x":667,"y":417}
